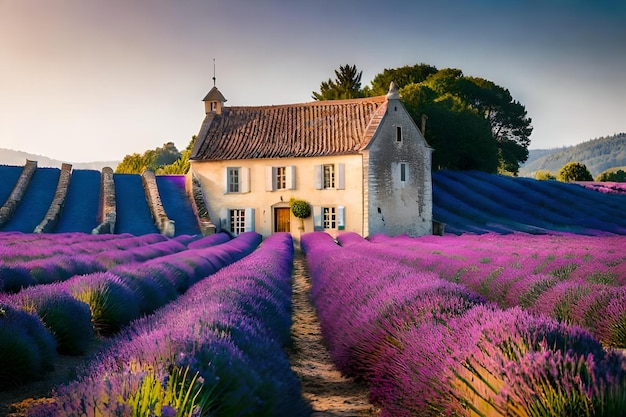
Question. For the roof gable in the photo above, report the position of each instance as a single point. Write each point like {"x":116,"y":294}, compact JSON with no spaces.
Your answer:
{"x":319,"y":128}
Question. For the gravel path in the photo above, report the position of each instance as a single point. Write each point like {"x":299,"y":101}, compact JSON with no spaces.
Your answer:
{"x":328,"y":392}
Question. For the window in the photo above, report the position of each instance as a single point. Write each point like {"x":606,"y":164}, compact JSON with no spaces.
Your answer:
{"x":237,"y":221}
{"x":237,"y":180}
{"x":281,"y":178}
{"x":330,"y":177}
{"x":213,"y":106}
{"x":398,"y":133}
{"x":329,"y":217}
{"x":402,"y":172}
{"x":233,"y":180}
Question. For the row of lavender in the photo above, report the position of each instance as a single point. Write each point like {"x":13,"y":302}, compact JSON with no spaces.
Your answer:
{"x":576,"y":279}
{"x":63,"y":317}
{"x":28,"y":259}
{"x":217,"y":350}
{"x":427,"y":346}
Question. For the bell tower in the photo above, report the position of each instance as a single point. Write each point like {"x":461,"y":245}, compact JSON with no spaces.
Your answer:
{"x":214,"y":100}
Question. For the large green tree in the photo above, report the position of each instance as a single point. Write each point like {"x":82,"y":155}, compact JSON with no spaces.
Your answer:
{"x":401,"y":77}
{"x":346,"y":85}
{"x":509,"y":121}
{"x":459,"y":135}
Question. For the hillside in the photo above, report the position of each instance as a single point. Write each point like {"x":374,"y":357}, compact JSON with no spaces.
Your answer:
{"x":11,"y":157}
{"x":597,"y":154}
{"x":476,"y":202}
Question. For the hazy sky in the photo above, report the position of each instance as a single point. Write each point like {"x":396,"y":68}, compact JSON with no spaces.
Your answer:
{"x":85,"y":80}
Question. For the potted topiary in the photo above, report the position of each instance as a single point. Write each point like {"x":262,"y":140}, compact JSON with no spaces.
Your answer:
{"x":300,"y":209}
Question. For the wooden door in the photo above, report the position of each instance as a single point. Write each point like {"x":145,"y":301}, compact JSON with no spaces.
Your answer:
{"x":281,"y":219}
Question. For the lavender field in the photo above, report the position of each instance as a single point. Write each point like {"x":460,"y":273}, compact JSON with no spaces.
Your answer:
{"x":191,"y":326}
{"x":481,"y":325}
{"x":518,"y":310}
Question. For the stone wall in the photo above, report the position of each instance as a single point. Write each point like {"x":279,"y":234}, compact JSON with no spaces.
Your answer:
{"x":107,"y":212}
{"x":193,"y":187}
{"x":56,"y":207}
{"x":15,"y":198}
{"x":163,"y":223}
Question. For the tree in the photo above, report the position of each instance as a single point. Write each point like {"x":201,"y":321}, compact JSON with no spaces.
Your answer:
{"x":400,"y":76}
{"x":544,"y":174}
{"x":459,"y":135}
{"x":574,"y":171}
{"x":301,"y":209}
{"x":347,"y":85}
{"x":612,"y":176}
{"x":153,"y":159}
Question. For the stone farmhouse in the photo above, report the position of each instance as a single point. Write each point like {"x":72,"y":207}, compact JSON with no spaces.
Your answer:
{"x":362,"y":164}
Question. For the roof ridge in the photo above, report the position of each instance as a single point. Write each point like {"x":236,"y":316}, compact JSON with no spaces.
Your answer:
{"x":375,"y":99}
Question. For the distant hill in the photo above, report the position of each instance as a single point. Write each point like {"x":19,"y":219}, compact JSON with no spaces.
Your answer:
{"x":597,"y":154}
{"x":11,"y":157}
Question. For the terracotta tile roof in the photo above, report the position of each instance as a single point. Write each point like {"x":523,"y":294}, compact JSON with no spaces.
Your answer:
{"x":318,"y":128}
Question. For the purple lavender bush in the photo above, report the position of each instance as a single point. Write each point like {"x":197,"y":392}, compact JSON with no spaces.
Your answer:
{"x":67,"y":318}
{"x":111,"y":302}
{"x":27,"y":349}
{"x":431,"y":355}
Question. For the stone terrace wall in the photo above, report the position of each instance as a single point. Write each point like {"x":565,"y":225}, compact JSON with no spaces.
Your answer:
{"x":15,"y":198}
{"x":163,"y":223}
{"x":56,"y":207}
{"x":194,"y":192}
{"x":107,"y":211}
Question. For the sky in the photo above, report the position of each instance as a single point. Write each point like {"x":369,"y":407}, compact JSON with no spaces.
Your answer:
{"x":94,"y":80}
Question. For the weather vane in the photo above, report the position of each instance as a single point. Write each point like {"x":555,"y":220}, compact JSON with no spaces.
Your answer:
{"x":213,"y":72}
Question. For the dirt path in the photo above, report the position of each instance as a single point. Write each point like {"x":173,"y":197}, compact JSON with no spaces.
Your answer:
{"x":328,"y":392}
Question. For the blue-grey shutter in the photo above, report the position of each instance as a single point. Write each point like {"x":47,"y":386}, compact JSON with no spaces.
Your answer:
{"x":226,"y":181}
{"x":249,"y":220}
{"x":225,"y":219}
{"x":341,"y":217}
{"x":318,"y":226}
{"x":341,"y":176}
{"x":318,"y":177}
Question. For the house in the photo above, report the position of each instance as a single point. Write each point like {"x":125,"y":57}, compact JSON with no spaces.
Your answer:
{"x":362,"y":164}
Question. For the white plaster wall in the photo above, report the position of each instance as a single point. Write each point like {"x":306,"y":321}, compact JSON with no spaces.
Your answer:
{"x":212,"y":175}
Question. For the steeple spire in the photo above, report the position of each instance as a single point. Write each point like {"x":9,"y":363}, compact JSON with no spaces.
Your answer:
{"x":213,"y":72}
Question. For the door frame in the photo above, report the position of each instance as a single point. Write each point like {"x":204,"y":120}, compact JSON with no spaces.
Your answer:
{"x":275,"y":208}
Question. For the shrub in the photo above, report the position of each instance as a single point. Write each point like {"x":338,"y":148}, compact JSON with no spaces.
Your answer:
{"x":543,"y":175}
{"x":111,"y":302}
{"x":67,"y":318}
{"x":574,"y":171}
{"x":27,"y":349}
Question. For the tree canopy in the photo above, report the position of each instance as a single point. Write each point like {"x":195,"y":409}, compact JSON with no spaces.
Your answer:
{"x":347,"y":84}
{"x":574,"y":171}
{"x":472,"y":122}
{"x":166,"y":160}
